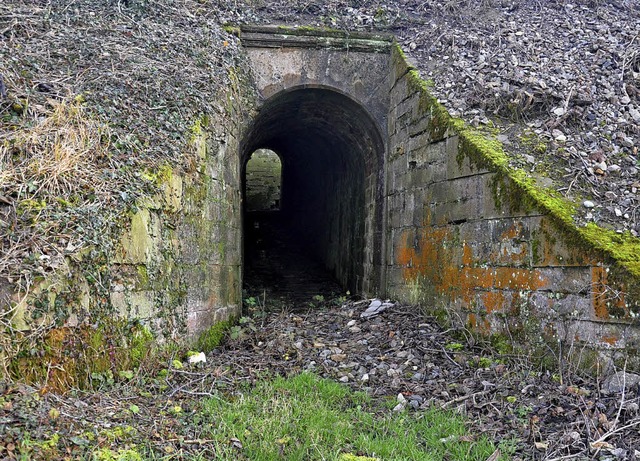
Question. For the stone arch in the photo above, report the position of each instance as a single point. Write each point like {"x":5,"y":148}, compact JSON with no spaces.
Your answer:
{"x":332,"y":154}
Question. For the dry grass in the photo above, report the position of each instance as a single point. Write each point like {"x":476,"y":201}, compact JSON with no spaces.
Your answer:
{"x":55,"y":151}
{"x":51,"y":156}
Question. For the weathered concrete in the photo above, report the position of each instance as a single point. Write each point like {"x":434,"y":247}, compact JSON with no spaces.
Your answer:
{"x":476,"y":242}
{"x":177,"y":267}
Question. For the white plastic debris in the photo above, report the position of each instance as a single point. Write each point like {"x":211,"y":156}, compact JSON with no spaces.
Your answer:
{"x":375,"y":308}
{"x":198,"y":358}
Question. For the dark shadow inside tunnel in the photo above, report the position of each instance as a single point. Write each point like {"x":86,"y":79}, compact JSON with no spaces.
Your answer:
{"x":324,"y":235}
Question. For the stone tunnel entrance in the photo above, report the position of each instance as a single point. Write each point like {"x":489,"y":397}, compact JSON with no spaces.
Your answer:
{"x":325,"y":234}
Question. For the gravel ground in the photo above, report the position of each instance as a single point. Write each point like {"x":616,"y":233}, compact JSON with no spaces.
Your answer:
{"x":401,"y":354}
{"x":557,"y":81}
{"x":398,"y":355}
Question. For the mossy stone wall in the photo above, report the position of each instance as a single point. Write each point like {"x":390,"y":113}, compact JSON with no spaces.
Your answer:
{"x":175,"y":272}
{"x":472,"y":238}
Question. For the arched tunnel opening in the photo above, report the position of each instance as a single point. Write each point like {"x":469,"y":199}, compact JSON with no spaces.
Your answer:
{"x":324,"y":235}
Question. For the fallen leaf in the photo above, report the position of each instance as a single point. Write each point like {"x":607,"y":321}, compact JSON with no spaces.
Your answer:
{"x":494,"y":456}
{"x":541,"y":445}
{"x":601,"y":445}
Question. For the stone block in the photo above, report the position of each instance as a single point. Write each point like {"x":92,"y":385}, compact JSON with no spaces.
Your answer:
{"x":141,"y":243}
{"x":459,"y":167}
{"x":172,"y":193}
{"x":407,"y":108}
{"x":502,"y":242}
{"x":490,"y":301}
{"x":576,"y":280}
{"x":598,"y":334}
{"x":419,"y":126}
{"x":419,"y":179}
{"x":134,"y":304}
{"x":468,"y":198}
{"x":549,"y":248}
{"x":399,"y":91}
{"x":560,"y":305}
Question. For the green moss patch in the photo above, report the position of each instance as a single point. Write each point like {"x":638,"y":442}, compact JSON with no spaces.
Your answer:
{"x":85,"y":356}
{"x":213,"y":336}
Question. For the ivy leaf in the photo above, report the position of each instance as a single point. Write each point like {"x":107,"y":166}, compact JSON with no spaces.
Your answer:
{"x":126,"y":374}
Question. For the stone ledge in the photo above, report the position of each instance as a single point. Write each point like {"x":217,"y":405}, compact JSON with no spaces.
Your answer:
{"x":311,"y":37}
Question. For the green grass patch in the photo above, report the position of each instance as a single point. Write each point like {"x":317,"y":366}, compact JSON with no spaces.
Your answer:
{"x":308,"y":418}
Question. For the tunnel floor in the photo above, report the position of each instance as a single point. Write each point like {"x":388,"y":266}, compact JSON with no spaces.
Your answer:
{"x":278,"y":269}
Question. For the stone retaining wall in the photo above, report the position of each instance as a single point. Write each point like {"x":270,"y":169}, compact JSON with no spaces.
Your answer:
{"x":485,"y":246}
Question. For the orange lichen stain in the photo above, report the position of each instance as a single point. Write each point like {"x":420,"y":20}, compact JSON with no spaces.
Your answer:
{"x":467,"y":255}
{"x":433,"y":257}
{"x":610,"y":340}
{"x":513,"y":253}
{"x":493,"y":301}
{"x":599,"y":292}
{"x":512,"y":232}
{"x":603,"y":297}
{"x":480,"y":325}
{"x":511,"y":249}
{"x":550,"y":255}
{"x":552,"y":251}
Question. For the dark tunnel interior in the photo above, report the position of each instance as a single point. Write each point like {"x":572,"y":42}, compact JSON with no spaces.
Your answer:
{"x":317,"y":239}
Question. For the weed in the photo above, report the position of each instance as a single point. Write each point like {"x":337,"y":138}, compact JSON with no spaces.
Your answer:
{"x":485,"y":362}
{"x":522,"y":412}
{"x":455,"y":346}
{"x":245,"y":326}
